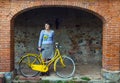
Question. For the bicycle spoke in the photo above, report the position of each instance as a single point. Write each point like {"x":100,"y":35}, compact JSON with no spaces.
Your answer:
{"x":24,"y":62}
{"x":28,"y":58}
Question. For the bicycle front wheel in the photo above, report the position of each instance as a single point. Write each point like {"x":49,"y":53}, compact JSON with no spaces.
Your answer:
{"x":65,"y":71}
{"x":25,"y":66}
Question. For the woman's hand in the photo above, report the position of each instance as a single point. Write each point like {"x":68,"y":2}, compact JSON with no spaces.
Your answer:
{"x":39,"y":48}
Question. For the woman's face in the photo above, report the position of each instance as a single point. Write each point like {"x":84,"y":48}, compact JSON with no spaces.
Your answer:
{"x":47,"y":26}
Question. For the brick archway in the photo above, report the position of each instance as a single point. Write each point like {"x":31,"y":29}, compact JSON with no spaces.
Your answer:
{"x":70,"y":7}
{"x":77,"y":59}
{"x":110,"y":28}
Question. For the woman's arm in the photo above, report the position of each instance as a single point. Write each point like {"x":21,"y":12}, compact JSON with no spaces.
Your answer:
{"x":53,"y":38}
{"x":40,"y":39}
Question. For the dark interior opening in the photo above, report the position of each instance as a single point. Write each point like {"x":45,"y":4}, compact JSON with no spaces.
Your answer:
{"x":79,"y":33}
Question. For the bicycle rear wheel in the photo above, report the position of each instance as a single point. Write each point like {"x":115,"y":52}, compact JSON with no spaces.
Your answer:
{"x":25,"y":68}
{"x":68,"y":70}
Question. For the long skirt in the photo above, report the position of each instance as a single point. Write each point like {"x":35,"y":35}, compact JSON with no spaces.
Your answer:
{"x":48,"y":51}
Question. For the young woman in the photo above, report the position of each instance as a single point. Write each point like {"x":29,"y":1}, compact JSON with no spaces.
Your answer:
{"x":46,"y":40}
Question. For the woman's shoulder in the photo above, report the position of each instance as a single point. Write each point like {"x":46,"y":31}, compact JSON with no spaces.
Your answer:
{"x":52,"y":31}
{"x":42,"y":30}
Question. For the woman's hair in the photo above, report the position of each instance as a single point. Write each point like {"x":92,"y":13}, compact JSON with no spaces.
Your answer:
{"x":48,"y":23}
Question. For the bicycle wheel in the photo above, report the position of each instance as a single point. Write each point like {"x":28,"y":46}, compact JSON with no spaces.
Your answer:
{"x":25,"y":68}
{"x":68,"y":70}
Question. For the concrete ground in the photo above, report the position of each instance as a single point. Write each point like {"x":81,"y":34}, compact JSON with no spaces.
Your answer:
{"x":91,"y":71}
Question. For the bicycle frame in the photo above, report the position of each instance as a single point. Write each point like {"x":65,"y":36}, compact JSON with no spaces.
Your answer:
{"x":43,"y":66}
{"x":57,"y":56}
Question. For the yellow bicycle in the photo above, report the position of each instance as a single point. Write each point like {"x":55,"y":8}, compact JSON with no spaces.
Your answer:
{"x":31,"y":64}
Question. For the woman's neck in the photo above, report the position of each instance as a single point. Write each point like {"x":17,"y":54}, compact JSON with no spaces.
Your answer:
{"x":47,"y":30}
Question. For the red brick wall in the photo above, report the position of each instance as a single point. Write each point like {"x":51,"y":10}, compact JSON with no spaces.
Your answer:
{"x":107,"y":10}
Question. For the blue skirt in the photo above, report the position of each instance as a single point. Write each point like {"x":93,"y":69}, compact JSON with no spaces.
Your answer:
{"x":48,"y":51}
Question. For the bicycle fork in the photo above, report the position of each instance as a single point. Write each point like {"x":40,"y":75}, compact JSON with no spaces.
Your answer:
{"x":61,"y":61}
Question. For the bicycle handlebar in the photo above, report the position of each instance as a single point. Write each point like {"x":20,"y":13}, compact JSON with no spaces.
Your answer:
{"x":56,"y":45}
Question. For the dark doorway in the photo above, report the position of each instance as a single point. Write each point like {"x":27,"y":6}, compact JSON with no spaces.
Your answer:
{"x":79,"y":33}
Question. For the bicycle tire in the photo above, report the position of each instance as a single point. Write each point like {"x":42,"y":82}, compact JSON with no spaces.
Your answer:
{"x":68,"y":70}
{"x":25,"y":69}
